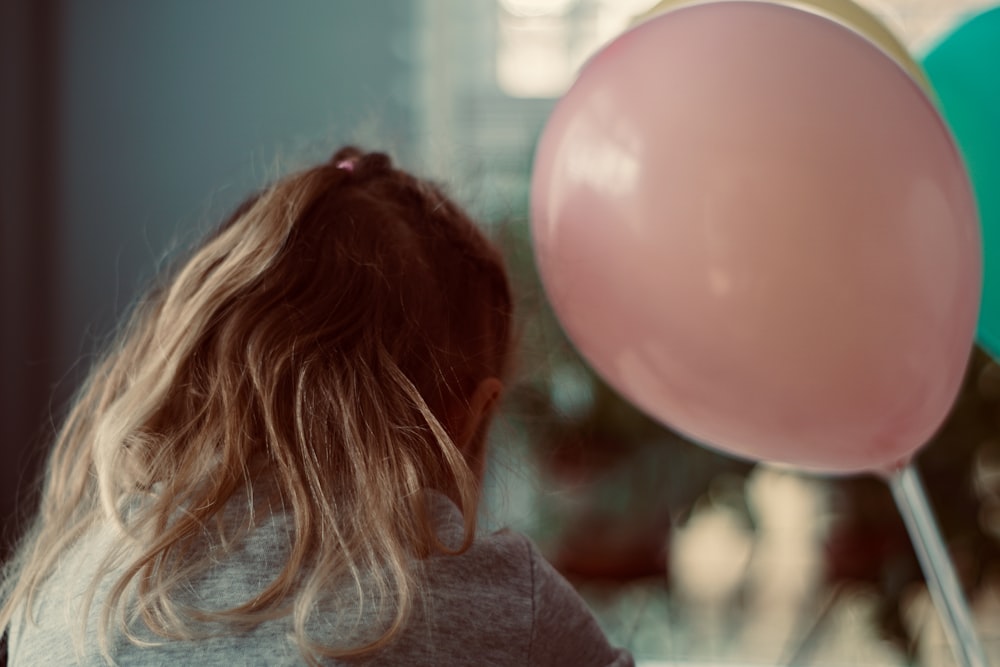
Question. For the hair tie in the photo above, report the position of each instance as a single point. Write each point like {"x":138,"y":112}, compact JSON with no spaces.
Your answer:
{"x":346,"y":165}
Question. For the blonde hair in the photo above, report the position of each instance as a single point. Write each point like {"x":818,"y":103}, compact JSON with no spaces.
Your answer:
{"x":324,"y":337}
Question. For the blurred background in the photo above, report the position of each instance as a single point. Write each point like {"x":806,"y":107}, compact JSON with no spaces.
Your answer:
{"x":128,"y":128}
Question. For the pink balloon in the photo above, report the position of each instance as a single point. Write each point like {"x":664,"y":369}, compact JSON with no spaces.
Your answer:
{"x":755,"y":226}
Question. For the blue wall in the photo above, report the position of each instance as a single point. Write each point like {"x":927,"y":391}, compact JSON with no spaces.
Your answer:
{"x":173,"y":110}
{"x":129,"y":126}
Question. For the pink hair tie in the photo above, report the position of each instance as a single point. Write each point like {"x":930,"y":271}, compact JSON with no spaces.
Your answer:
{"x":346,"y":165}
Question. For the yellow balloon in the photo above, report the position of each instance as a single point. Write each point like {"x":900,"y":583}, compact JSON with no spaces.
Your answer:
{"x":844,"y":12}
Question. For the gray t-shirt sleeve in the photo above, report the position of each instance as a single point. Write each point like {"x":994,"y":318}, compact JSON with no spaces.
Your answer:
{"x":564,"y":632}
{"x":499,"y":604}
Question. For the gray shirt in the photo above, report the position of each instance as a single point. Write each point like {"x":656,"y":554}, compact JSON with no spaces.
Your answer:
{"x":499,"y":603}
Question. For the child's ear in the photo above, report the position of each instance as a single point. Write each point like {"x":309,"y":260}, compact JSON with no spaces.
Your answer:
{"x":486,"y":396}
{"x":480,"y":409}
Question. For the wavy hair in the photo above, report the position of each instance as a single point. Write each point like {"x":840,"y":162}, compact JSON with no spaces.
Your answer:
{"x":323,"y":338}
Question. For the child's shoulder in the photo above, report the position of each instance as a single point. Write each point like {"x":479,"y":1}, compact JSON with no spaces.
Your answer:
{"x":503,"y":594}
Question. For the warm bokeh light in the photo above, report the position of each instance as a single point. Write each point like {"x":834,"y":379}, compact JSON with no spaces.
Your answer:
{"x":542,"y":43}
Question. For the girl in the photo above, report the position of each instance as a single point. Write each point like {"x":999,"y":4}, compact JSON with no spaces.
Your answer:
{"x":279,"y":461}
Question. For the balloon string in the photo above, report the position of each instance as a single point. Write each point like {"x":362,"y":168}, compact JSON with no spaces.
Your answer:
{"x":942,"y":582}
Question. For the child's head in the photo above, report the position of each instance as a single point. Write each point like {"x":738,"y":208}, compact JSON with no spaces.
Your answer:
{"x":343,"y":335}
{"x":344,"y":298}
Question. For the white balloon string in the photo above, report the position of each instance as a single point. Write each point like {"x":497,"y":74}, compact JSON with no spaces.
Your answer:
{"x":942,"y":582}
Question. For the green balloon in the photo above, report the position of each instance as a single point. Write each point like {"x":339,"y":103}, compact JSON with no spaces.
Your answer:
{"x":964,"y":70}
